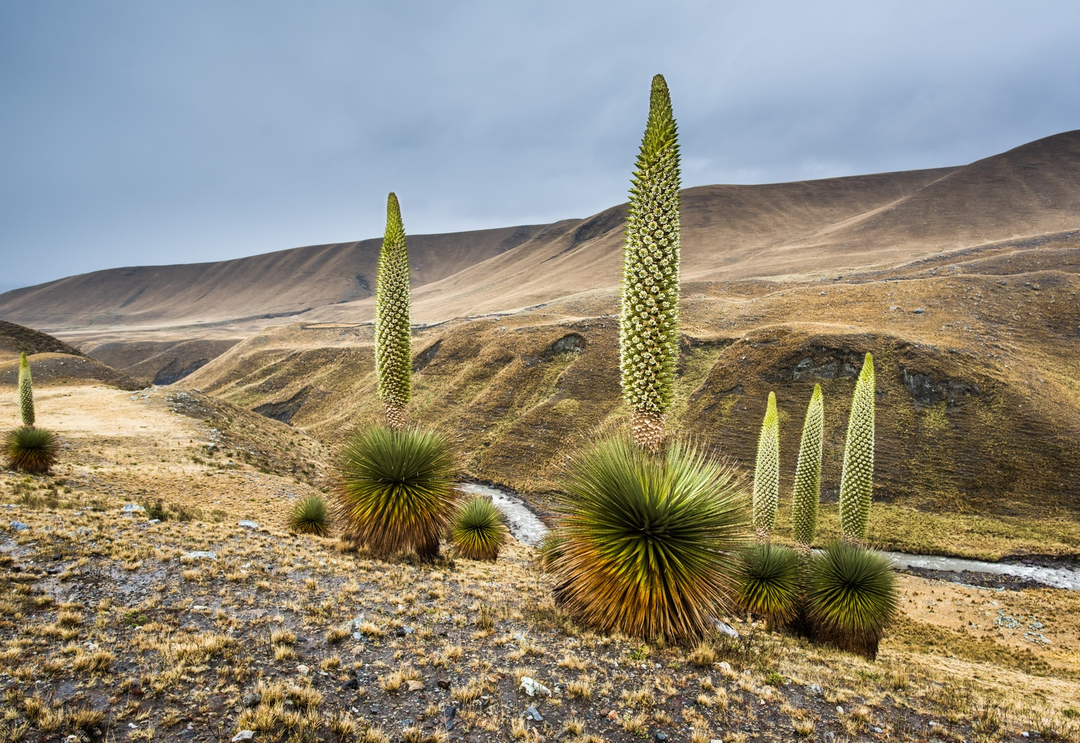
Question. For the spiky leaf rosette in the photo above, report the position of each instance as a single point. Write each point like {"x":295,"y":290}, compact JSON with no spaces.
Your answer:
{"x":804,"y":501}
{"x":478,"y":531}
{"x":26,"y":392}
{"x":32,"y":450}
{"x":852,"y":597}
{"x":856,"y":480}
{"x":767,"y":472}
{"x":648,"y":544}
{"x":393,"y":333}
{"x":309,"y":516}
{"x":649,"y":320}
{"x":768,"y":582}
{"x":395,"y":490}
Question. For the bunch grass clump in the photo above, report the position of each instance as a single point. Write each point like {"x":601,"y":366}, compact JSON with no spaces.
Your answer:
{"x":31,"y":450}
{"x":478,"y":532}
{"x":768,"y":583}
{"x":648,"y":543}
{"x":852,"y":597}
{"x":395,"y":490}
{"x":309,"y":516}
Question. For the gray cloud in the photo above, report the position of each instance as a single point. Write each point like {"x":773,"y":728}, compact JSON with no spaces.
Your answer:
{"x":140,"y":133}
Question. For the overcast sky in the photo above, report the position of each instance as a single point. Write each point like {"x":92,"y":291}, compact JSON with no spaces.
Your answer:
{"x":142,"y":132}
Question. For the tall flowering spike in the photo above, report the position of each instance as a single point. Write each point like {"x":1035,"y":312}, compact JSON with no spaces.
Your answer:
{"x":649,"y":323}
{"x":804,"y":501}
{"x":856,"y":482}
{"x":393,"y":333}
{"x":26,"y":392}
{"x":767,"y":473}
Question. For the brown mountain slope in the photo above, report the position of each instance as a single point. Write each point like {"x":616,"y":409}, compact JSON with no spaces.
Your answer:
{"x":978,"y":394}
{"x":730,"y":232}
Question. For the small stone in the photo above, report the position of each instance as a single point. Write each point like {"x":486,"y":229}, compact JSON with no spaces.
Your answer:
{"x":131,"y":508}
{"x":415,"y":685}
{"x":840,"y":711}
{"x":877,"y":729}
{"x":918,"y":311}
{"x":251,"y":700}
{"x":724,"y":666}
{"x":303,"y":670}
{"x":815,"y":688}
{"x":243,"y":735}
{"x":533,"y":687}
{"x":612,"y":715}
{"x":352,"y":683}
{"x":1025,"y":734}
{"x":533,"y":714}
{"x":443,"y":684}
{"x":661,"y":738}
{"x":19,"y":526}
{"x":355,"y":624}
{"x":198,"y":555}
{"x":248,"y":524}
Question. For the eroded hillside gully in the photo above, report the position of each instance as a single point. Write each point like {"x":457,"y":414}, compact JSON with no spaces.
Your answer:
{"x":528,"y":529}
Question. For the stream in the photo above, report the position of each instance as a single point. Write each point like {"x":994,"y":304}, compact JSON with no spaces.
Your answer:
{"x":528,"y":529}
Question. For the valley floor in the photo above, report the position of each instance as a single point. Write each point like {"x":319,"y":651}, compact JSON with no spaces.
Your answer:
{"x":194,"y":627}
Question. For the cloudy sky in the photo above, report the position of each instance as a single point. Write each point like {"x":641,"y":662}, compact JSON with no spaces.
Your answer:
{"x":135,"y":132}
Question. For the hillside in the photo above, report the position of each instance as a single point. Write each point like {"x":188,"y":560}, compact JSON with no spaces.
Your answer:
{"x":729,"y":233}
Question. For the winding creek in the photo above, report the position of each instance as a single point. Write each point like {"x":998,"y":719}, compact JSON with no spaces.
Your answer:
{"x":528,"y":529}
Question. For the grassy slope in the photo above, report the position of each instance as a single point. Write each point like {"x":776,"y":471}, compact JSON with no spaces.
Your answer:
{"x":978,"y":400}
{"x":106,"y":632}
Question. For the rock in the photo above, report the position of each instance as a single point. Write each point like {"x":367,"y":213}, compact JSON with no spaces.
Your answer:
{"x":533,"y":714}
{"x":251,"y":699}
{"x":415,"y":685}
{"x":198,"y":555}
{"x":612,"y":715}
{"x":248,"y":524}
{"x":352,"y":683}
{"x":533,"y":687}
{"x":303,"y":670}
{"x":443,"y":684}
{"x":840,"y":711}
{"x":353,"y":625}
{"x":918,"y":311}
{"x":727,"y":629}
{"x":661,"y":738}
{"x":19,"y":526}
{"x":132,"y":508}
{"x":724,"y":665}
{"x":814,"y":689}
{"x":243,"y":735}
{"x":448,"y":715}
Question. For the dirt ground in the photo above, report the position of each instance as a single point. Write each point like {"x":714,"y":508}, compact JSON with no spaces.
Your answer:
{"x":111,"y":630}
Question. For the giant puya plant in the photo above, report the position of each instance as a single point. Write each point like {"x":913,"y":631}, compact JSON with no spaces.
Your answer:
{"x":767,"y":473}
{"x":29,"y":448}
{"x":648,"y":529}
{"x":395,"y":484}
{"x":857,"y":477}
{"x":649,"y":320}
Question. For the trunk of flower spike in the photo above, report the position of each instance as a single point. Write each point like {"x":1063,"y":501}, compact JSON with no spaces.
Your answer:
{"x":393,"y":332}
{"x":649,"y":321}
{"x":856,"y":481}
{"x":26,"y":392}
{"x":804,"y":501}
{"x":767,"y":473}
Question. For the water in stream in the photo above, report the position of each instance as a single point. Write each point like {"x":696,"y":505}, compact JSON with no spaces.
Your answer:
{"x":528,"y":529}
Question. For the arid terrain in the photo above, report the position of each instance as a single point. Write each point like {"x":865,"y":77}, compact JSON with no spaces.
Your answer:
{"x":113,"y":627}
{"x":211,"y":394}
